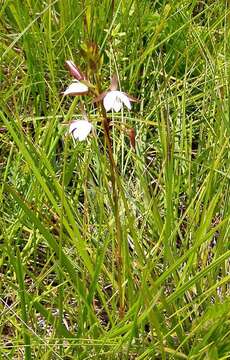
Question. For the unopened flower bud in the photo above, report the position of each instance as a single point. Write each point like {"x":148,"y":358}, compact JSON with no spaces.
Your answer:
{"x":74,"y":71}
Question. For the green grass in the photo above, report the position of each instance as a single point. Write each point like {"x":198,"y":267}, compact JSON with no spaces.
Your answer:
{"x":65,"y":293}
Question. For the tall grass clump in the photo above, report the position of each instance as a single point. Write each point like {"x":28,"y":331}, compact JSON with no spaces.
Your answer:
{"x":115,"y":247}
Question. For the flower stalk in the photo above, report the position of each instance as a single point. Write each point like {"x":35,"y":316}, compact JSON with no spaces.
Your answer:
{"x":118,"y":229}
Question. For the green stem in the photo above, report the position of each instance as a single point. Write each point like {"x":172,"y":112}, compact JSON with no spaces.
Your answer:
{"x":24,"y":305}
{"x":61,"y":280}
{"x":115,"y":189}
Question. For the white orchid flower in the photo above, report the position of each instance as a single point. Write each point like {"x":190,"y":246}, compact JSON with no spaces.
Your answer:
{"x":76,"y":88}
{"x":114,"y":99}
{"x":80,"y":129}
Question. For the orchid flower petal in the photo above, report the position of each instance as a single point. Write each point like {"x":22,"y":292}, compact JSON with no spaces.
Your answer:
{"x":114,"y":83}
{"x":80,"y":129}
{"x":100,"y":97}
{"x":124,"y":98}
{"x":76,"y":88}
{"x":117,"y":104}
{"x":109,"y":100}
{"x":132,"y":98}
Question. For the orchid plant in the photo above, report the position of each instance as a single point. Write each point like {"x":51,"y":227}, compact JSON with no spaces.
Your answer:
{"x":109,"y":100}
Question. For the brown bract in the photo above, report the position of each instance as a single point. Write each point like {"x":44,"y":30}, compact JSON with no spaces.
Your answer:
{"x":132,"y":138}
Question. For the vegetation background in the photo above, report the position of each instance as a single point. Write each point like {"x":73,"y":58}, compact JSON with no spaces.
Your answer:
{"x":63,"y":293}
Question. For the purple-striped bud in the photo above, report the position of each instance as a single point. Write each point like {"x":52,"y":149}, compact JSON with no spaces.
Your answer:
{"x":74,"y":71}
